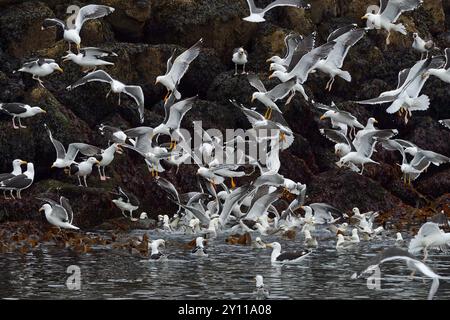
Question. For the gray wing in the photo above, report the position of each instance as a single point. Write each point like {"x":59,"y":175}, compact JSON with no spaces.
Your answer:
{"x":138,"y":95}
{"x":394,"y":8}
{"x":89,"y":12}
{"x":428,"y":229}
{"x":286,"y":3}
{"x":379,"y":100}
{"x":261,"y":205}
{"x":309,"y":60}
{"x":366,"y":141}
{"x":99,"y":75}
{"x":343,"y":45}
{"x":232,"y":199}
{"x":177,"y":112}
{"x":325,"y":107}
{"x":256,"y":83}
{"x":414,"y":87}
{"x":251,"y":115}
{"x":50,"y":201}
{"x":204,"y":219}
{"x":291,"y":41}
{"x":66,"y":205}
{"x":272,"y":179}
{"x":86,"y":149}
{"x":335,"y":136}
{"x":60,"y":150}
{"x":324,"y":211}
{"x":53,"y":22}
{"x":282,"y":90}
{"x":182,"y":62}
{"x":402,"y":76}
{"x":304,"y":46}
{"x":430,"y":156}
{"x":169,"y":62}
{"x":138,"y":132}
{"x":340,"y":31}
{"x":97,"y":52}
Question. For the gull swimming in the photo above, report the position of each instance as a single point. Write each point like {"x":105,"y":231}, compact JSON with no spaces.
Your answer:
{"x":288,"y":257}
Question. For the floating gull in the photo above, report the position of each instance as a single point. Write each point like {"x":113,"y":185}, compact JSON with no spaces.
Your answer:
{"x":83,"y":169}
{"x":309,"y":241}
{"x":421,"y":158}
{"x":19,"y":182}
{"x":390,"y":11}
{"x":66,"y":159}
{"x":72,"y":33}
{"x":430,"y":236}
{"x":126,"y":202}
{"x":268,"y":98}
{"x":286,"y":257}
{"x":399,"y":242}
{"x":257,"y":14}
{"x":155,"y":254}
{"x":40,"y":68}
{"x":199,"y":249}
{"x":261,"y":292}
{"x":134,"y":92}
{"x":421,"y":45}
{"x":392,"y":254}
{"x":58,"y":214}
{"x":345,"y":38}
{"x":258,"y":243}
{"x":20,"y":110}
{"x":90,"y":58}
{"x":240,"y":57}
{"x":176,"y":70}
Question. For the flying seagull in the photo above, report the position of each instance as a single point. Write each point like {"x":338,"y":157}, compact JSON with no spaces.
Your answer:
{"x":257,"y":14}
{"x":176,"y":70}
{"x":40,"y":68}
{"x":90,"y":58}
{"x":126,"y":202}
{"x":72,"y":30}
{"x":134,"y":92}
{"x":20,"y":110}
{"x":390,"y":11}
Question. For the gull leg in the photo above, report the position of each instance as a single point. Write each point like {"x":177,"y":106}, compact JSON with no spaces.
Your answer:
{"x":104,"y":173}
{"x":362,"y":169}
{"x":233,"y":183}
{"x":266,"y":113}
{"x":19,"y":196}
{"x":270,"y":114}
{"x":388,"y":41}
{"x":109,"y":92}
{"x":70,"y":46}
{"x":14,"y":123}
{"x":331,"y":84}
{"x":328,"y":83}
{"x":20,"y":125}
{"x":4,"y":195}
{"x":12,"y":194}
{"x":79,"y":181}
{"x":243,"y":69}
{"x":119,"y":98}
{"x":167,"y":95}
{"x":235,"y":69}
{"x":85,"y":183}
{"x":102,"y":178}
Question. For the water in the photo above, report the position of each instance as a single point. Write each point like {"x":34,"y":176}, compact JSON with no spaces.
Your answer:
{"x":228,"y":273}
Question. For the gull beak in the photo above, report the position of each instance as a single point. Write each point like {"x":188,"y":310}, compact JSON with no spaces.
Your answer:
{"x":52,"y":166}
{"x":375,"y":121}
{"x":271,"y":76}
{"x":364,"y":17}
{"x":41,"y":209}
{"x":268,"y":60}
{"x":98,"y":162}
{"x":60,"y":70}
{"x":323,"y":117}
{"x":156,"y":82}
{"x":253,"y":99}
{"x":269,"y":245}
{"x":23,"y":162}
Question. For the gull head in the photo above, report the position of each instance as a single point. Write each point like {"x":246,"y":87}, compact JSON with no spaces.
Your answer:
{"x":372,"y":120}
{"x":143,"y":216}
{"x":56,"y":67}
{"x":199,"y":242}
{"x":46,"y":208}
{"x":259,"y":281}
{"x":158,"y":79}
{"x":92,"y":160}
{"x":69,"y":56}
{"x":415,"y":35}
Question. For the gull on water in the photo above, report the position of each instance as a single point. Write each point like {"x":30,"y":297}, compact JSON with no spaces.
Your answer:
{"x":288,"y":257}
{"x":261,"y":292}
{"x":155,"y":254}
{"x":199,"y":249}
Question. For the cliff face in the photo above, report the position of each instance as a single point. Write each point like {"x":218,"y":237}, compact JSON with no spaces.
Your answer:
{"x":143,"y":33}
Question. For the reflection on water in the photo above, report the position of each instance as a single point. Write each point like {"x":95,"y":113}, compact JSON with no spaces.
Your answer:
{"x":228,"y":273}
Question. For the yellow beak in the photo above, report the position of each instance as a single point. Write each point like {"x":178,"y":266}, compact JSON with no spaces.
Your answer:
{"x":376,"y":121}
{"x":271,"y":76}
{"x":60,"y":70}
{"x":363,"y":17}
{"x":253,"y":99}
{"x":41,"y":209}
{"x":23,"y":162}
{"x":156,"y":82}
{"x":322,"y":117}
{"x":269,"y":245}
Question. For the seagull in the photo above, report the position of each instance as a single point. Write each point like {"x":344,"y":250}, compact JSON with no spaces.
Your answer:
{"x":257,"y":14}
{"x":268,"y":98}
{"x":339,"y":118}
{"x":390,"y":11}
{"x":240,"y":57}
{"x":309,"y":242}
{"x":66,"y":159}
{"x":176,"y":70}
{"x":134,"y":92}
{"x":17,"y":170}
{"x":58,"y":214}
{"x":441,"y":73}
{"x":421,"y":158}
{"x":126,"y":202}
{"x":429,"y":236}
{"x":155,"y":254}
{"x":286,"y":257}
{"x":89,"y":58}
{"x":20,"y":110}
{"x":411,"y":81}
{"x":421,"y":45}
{"x":392,"y":254}
{"x":258,"y":243}
{"x":323,"y":213}
{"x":113,"y":134}
{"x":399,"y":239}
{"x":40,"y":68}
{"x":19,"y":182}
{"x":345,"y":38}
{"x":83,"y":169}
{"x":72,"y":31}
{"x":343,"y":244}
{"x":174,"y":113}
{"x":261,"y":292}
{"x":291,"y":42}
{"x":105,"y":159}
{"x":199,"y":249}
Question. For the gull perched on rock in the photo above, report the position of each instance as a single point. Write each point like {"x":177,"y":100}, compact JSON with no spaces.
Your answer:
{"x":257,"y":14}
{"x":421,"y":45}
{"x":392,"y":254}
{"x":387,"y":16}
{"x":176,"y":70}
{"x":106,"y":157}
{"x":345,"y":38}
{"x":19,"y":182}
{"x":268,"y":98}
{"x":90,"y":58}
{"x":72,"y":29}
{"x":126,"y":202}
{"x":17,"y":170}
{"x":240,"y":57}
{"x":58,"y":214}
{"x":40,"y":68}
{"x":134,"y":92}
{"x":20,"y":111}
{"x":83,"y":169}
